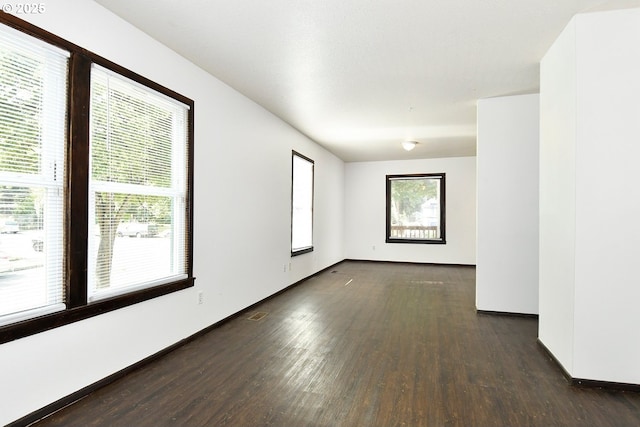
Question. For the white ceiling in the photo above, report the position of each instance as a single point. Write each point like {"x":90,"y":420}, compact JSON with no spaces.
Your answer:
{"x":361,"y":76}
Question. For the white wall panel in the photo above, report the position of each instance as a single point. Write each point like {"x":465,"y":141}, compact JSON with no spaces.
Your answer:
{"x":507,"y":246}
{"x":589,"y":200}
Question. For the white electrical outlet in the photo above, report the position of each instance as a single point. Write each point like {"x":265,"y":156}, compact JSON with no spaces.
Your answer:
{"x":200,"y":297}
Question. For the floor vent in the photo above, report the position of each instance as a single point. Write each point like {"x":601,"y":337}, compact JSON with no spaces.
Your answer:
{"x":257,"y":316}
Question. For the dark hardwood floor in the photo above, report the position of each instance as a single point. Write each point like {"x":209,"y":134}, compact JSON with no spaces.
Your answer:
{"x":362,"y":344}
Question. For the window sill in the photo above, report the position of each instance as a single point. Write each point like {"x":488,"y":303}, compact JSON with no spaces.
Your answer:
{"x":419,"y":241}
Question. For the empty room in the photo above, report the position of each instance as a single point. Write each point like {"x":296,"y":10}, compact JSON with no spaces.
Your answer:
{"x":335,"y":213}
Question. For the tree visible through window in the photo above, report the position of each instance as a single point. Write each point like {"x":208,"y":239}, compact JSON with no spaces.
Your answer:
{"x":137,"y":184}
{"x":416,"y":208}
{"x":96,"y":173}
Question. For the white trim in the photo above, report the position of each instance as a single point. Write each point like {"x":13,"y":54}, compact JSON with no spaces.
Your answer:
{"x":143,"y":190}
{"x":30,"y":314}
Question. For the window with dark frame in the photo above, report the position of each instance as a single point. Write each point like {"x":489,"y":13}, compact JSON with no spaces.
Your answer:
{"x":302,"y":175}
{"x":96,"y":173}
{"x":415,"y":208}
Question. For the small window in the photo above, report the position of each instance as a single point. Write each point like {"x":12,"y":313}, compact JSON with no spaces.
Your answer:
{"x":301,"y":204}
{"x":416,"y":208}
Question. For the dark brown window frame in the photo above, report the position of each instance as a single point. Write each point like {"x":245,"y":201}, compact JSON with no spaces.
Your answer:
{"x":77,"y":192}
{"x":295,"y":154}
{"x":442,"y":240}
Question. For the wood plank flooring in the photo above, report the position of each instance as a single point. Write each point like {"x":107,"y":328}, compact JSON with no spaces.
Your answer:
{"x":362,"y":344}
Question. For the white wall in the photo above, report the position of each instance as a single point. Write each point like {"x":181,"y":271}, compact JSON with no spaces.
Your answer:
{"x":602,"y":155}
{"x":242,"y":222}
{"x":557,"y":197}
{"x":365,"y":192}
{"x":507,"y":168}
{"x":608,"y":197}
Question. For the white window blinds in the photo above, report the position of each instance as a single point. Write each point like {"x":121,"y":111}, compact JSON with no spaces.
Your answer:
{"x":137,"y":187}
{"x":33,"y":101}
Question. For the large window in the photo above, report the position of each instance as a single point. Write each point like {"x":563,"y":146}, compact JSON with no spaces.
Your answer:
{"x":95,"y":184}
{"x":416,"y":208}
{"x":136,"y":186}
{"x":301,"y":204}
{"x":33,"y":100}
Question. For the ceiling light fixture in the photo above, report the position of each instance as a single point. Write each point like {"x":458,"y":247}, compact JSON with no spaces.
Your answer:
{"x":409,"y":145}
